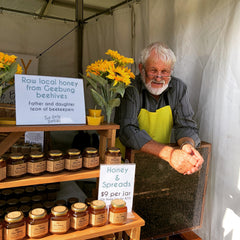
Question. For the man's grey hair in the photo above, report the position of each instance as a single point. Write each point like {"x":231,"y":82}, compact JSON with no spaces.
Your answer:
{"x":162,"y":52}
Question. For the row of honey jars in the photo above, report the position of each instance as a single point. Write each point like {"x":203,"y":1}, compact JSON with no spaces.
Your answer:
{"x":39,"y":223}
{"x":18,"y":165}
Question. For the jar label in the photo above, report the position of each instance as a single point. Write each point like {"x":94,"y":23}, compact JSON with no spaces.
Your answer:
{"x":55,"y":166}
{"x":79,"y":222}
{"x":98,"y":219}
{"x":72,"y":164}
{"x":59,"y":226}
{"x":90,"y":162}
{"x":118,"y":218}
{"x":15,"y":233}
{"x":16,"y":169}
{"x":3,"y":174}
{"x":36,"y":167}
{"x":37,"y":229}
{"x":112,"y":159}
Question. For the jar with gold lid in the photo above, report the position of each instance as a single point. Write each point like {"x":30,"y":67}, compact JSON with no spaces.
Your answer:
{"x":16,"y":165}
{"x":55,"y":161}
{"x":14,"y":226}
{"x":112,"y":156}
{"x":59,"y":220}
{"x":98,"y":213}
{"x":37,"y":163}
{"x":79,"y":216}
{"x":90,"y":158}
{"x":37,"y":223}
{"x":118,"y":212}
{"x":3,"y":169}
{"x":73,"y":160}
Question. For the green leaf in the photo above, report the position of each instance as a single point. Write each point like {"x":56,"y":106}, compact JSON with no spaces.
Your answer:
{"x":114,"y":103}
{"x":98,"y":99}
{"x":119,"y":88}
{"x":10,"y":73}
{"x":0,"y":91}
{"x":90,"y":81}
{"x":98,"y":79}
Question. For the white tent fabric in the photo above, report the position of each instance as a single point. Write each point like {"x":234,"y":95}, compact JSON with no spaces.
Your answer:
{"x":205,"y":37}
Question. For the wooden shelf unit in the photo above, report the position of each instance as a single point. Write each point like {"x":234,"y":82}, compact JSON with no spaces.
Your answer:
{"x":107,"y":133}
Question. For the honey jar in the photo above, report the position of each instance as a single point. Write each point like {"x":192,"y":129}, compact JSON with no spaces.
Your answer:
{"x":90,"y":158}
{"x":59,"y":220}
{"x":98,"y":213}
{"x":14,"y":226}
{"x":113,"y":156}
{"x":118,"y":212}
{"x":3,"y":169}
{"x":37,"y":223}
{"x":79,"y":216}
{"x":73,"y":160}
{"x":16,"y":165}
{"x":36,"y":164}
{"x":55,"y":161}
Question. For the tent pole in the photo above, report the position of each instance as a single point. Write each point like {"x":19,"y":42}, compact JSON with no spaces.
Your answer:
{"x":79,"y":19}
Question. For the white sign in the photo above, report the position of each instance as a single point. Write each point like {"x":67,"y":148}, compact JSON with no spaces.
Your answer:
{"x":117,"y":181}
{"x":49,"y":100}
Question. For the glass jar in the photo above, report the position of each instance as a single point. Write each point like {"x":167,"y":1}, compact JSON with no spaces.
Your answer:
{"x":55,"y":161}
{"x":98,"y":213}
{"x":73,"y":160}
{"x":36,"y":164}
{"x":118,"y":212}
{"x":113,"y":156}
{"x":3,"y":169}
{"x":16,"y":165}
{"x":7,"y":193}
{"x":79,"y":216}
{"x":14,"y":226}
{"x":90,"y":158}
{"x":59,"y":220}
{"x":18,"y":192}
{"x":37,"y":223}
{"x":71,"y":201}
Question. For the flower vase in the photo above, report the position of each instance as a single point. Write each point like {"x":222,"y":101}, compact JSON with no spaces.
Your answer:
{"x":108,"y":112}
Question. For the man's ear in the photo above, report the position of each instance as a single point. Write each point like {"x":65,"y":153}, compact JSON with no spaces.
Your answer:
{"x":140,"y":66}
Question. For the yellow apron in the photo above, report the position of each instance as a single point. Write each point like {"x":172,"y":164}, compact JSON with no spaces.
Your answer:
{"x":157,"y":124}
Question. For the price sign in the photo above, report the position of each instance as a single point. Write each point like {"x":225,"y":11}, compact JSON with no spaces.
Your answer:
{"x":117,"y":181}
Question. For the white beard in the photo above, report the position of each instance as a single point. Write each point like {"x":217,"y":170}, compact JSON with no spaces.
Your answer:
{"x":155,"y":91}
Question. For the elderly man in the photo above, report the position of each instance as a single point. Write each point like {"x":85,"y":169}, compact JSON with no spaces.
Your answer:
{"x":156,"y":104}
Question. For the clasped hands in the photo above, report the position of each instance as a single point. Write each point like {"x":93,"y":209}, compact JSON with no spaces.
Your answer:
{"x":187,"y":160}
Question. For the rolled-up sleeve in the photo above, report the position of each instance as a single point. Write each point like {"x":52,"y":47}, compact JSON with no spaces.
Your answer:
{"x":184,"y":125}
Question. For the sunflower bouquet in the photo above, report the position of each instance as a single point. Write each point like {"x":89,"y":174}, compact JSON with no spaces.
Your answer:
{"x":109,"y":79}
{"x":8,"y":67}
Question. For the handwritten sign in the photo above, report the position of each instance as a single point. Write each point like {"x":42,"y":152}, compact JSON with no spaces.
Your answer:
{"x":49,"y":100}
{"x":117,"y":181}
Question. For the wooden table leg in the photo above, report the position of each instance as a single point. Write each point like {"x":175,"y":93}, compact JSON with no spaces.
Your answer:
{"x":134,"y":233}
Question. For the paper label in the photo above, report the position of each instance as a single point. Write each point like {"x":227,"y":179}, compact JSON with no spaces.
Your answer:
{"x":90,"y":162}
{"x":98,"y":219}
{"x":16,"y":170}
{"x":55,"y":166}
{"x":15,"y":233}
{"x":59,"y":226}
{"x":37,"y":230}
{"x":36,"y":167}
{"x":3,"y":174}
{"x":79,"y":222}
{"x":72,"y":164}
{"x":117,"y":217}
{"x":112,"y":159}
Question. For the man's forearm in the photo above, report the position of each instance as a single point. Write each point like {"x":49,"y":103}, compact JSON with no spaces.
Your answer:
{"x":157,"y":149}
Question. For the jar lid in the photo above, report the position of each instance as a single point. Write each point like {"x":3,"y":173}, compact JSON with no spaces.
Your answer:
{"x":113,"y":149}
{"x":37,"y":213}
{"x":118,"y":203}
{"x":74,"y":151}
{"x":15,"y":216}
{"x":18,"y":191}
{"x":1,"y":159}
{"x":12,"y":201}
{"x":55,"y":153}
{"x":59,"y":210}
{"x":91,"y":150}
{"x":98,"y":204}
{"x":16,"y":156}
{"x":36,"y":154}
{"x":79,"y":207}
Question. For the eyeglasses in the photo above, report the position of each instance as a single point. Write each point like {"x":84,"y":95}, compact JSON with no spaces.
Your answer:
{"x":161,"y":77}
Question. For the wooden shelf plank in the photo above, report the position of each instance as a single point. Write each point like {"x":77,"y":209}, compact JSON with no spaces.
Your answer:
{"x":49,"y":178}
{"x":67,"y":127}
{"x":133,"y":221}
